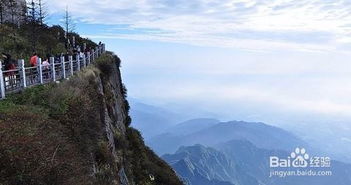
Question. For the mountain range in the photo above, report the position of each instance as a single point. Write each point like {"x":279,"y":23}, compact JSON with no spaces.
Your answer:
{"x":239,"y":162}
{"x":206,"y":151}
{"x":259,"y":134}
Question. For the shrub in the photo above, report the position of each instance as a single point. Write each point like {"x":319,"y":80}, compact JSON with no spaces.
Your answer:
{"x":128,"y":121}
{"x":124,"y":91}
{"x":144,"y":162}
{"x":120,"y":140}
{"x":104,"y":63}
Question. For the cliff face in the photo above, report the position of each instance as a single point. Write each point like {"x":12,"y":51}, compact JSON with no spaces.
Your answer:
{"x":76,"y":132}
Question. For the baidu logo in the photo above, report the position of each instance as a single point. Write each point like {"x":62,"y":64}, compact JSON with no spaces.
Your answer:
{"x":300,"y":158}
{"x":299,"y":163}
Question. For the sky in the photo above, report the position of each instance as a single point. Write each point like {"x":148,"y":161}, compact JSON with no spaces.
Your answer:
{"x":257,"y":60}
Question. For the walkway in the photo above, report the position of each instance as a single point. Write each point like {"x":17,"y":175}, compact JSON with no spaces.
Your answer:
{"x":12,"y":81}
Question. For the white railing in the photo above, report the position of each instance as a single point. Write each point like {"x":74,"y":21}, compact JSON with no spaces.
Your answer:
{"x":15,"y":80}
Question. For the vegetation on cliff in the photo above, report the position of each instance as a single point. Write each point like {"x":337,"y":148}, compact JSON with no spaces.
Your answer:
{"x":58,"y":134}
{"x":22,"y":41}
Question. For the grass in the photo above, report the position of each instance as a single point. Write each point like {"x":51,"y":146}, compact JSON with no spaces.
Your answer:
{"x":47,"y":132}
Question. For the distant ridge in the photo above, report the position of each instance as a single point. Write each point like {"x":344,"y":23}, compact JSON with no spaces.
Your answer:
{"x":260,"y":134}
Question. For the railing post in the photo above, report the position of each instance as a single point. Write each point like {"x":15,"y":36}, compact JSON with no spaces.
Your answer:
{"x":71,"y":64}
{"x":78,"y":62}
{"x":53,"y":71}
{"x":97,"y":52}
{"x":63,"y":67}
{"x":23,"y":73}
{"x":2,"y":82}
{"x":92,"y":56}
{"x":84,"y":61}
{"x":40,"y":71}
{"x":88,"y":57}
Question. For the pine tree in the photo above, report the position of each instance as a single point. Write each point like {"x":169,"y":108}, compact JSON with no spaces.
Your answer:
{"x":2,"y":10}
{"x":24,"y":13}
{"x":32,"y":11}
{"x":12,"y":6}
{"x":41,"y":12}
{"x":32,"y":21}
{"x":69,"y":26}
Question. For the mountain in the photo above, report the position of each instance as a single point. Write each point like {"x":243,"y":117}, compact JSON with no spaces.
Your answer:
{"x":152,"y":120}
{"x":170,"y":140}
{"x":260,"y":134}
{"x":200,"y":165}
{"x":255,"y":162}
{"x":192,"y":126}
{"x":239,"y":162}
{"x":332,"y":138}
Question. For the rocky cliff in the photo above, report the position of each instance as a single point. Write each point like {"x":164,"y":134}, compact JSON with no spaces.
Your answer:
{"x":76,"y":132}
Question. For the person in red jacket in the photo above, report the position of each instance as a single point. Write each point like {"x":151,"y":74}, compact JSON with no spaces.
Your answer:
{"x":34,"y":60}
{"x":33,"y":63}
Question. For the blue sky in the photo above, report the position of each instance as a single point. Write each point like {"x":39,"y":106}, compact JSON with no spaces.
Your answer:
{"x":263,"y":60}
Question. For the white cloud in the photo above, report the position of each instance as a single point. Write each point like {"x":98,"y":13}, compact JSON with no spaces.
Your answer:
{"x":272,"y":95}
{"x":314,"y":80}
{"x":227,"y":23}
{"x":346,"y":139}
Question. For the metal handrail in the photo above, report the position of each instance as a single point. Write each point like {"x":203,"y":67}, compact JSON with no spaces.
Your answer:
{"x":31,"y":67}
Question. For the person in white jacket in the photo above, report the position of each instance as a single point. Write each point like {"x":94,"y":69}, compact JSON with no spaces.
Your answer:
{"x":45,"y":67}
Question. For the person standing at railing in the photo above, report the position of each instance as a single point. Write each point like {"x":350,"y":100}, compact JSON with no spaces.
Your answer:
{"x":45,"y":64}
{"x":46,"y":67}
{"x":81,"y":55}
{"x":68,"y":53}
{"x":9,"y":66}
{"x":33,"y":71}
{"x":7,"y":62}
{"x":34,"y":60}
